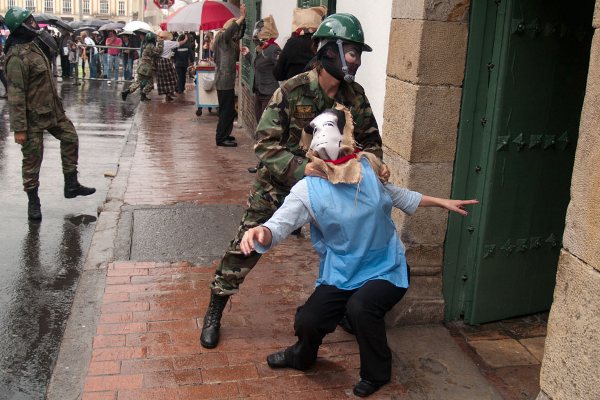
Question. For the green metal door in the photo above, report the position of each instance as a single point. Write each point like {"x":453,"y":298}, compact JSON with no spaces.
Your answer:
{"x":524,"y":87}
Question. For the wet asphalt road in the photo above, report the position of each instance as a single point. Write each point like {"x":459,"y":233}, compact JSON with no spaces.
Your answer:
{"x":40,"y":263}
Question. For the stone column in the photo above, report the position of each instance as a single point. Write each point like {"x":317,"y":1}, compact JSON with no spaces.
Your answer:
{"x":425,"y":72}
{"x":571,"y":368}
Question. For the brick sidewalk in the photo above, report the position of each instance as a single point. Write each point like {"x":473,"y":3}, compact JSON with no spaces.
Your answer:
{"x":147,"y":340}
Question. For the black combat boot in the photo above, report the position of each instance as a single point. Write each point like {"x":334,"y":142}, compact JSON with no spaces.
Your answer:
{"x":212,"y":321}
{"x":144,"y":97}
{"x":73,"y":188}
{"x":124,"y":94}
{"x":34,"y":210}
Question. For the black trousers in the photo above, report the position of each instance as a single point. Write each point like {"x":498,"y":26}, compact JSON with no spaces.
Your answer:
{"x":365,"y":308}
{"x":65,"y":66}
{"x":226,"y":114}
{"x":181,"y":78}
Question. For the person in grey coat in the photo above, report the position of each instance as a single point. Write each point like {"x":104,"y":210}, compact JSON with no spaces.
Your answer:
{"x":226,"y":48}
{"x":263,"y":62}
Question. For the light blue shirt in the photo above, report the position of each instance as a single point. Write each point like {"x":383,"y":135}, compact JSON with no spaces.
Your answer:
{"x":351,"y":228}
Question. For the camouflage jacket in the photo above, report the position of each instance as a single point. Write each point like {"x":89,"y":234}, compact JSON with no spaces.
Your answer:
{"x":292,"y":107}
{"x":150,"y":54}
{"x":33,"y":101}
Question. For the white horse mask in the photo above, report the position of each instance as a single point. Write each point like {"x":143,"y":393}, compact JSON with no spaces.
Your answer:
{"x":327,"y":136}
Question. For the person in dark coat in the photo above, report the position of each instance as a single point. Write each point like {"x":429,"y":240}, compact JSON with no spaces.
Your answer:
{"x":184,"y":57}
{"x":298,"y":52}
{"x":295,"y":56}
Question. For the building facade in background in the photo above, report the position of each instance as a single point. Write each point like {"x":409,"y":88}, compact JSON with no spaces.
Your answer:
{"x":71,"y":10}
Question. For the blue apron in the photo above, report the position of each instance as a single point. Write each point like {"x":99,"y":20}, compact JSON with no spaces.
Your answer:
{"x":355,"y":237}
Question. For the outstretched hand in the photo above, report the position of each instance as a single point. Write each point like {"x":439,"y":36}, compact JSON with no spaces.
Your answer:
{"x":260,"y":234}
{"x":458,"y":206}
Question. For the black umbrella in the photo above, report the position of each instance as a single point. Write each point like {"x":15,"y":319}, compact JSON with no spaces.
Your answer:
{"x":45,"y":18}
{"x":84,"y":28}
{"x":96,"y":23}
{"x":61,"y":24}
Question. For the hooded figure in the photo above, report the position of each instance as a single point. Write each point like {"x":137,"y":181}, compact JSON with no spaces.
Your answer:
{"x":363,"y":271}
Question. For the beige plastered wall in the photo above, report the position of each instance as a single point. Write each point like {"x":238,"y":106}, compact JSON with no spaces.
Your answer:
{"x":425,"y":72}
{"x":571,"y":364}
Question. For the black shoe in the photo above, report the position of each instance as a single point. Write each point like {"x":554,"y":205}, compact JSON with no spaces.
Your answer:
{"x":252,"y":170}
{"x":124,"y":94}
{"x":277,"y":360}
{"x":232,"y":138}
{"x":144,"y":97}
{"x":209,"y":338}
{"x":366,"y":388}
{"x":227,"y":143}
{"x":73,"y":188}
{"x":34,"y":210}
{"x":345,"y":325}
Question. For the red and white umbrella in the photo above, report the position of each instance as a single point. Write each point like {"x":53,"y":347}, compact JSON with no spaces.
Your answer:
{"x":202,"y":16}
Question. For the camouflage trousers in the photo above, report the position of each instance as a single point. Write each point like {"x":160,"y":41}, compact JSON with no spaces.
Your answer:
{"x":33,"y":151}
{"x":146,"y":83}
{"x":264,"y":199}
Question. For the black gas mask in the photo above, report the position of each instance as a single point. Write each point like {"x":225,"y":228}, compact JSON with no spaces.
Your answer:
{"x":340,"y":59}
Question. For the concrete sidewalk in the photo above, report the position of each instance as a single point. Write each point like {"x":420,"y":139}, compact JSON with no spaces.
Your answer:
{"x":134,"y":329}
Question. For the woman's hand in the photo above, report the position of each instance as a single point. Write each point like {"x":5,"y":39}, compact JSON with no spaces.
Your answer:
{"x":260,"y":234}
{"x":457,"y":206}
{"x":384,"y":174}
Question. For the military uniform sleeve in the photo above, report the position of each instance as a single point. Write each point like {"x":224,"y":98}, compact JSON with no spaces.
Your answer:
{"x":366,"y":131}
{"x":283,"y":165}
{"x":16,"y":76}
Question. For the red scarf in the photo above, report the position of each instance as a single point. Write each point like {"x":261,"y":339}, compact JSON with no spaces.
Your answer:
{"x":344,"y":159}
{"x":267,"y":43}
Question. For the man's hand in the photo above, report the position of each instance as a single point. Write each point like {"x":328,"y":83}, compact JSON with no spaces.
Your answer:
{"x":20,"y":137}
{"x":243,"y":10}
{"x":261,"y":234}
{"x":245,"y":50}
{"x":310,"y":170}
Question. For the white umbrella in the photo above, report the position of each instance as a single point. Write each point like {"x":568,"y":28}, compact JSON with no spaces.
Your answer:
{"x":202,"y":15}
{"x":136,"y":25}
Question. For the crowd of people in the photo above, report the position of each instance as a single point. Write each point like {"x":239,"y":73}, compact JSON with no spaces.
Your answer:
{"x":320,"y":152}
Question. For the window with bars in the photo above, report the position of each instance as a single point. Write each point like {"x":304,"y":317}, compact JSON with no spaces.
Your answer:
{"x":103,"y":7}
{"x":121,"y":8}
{"x":29,"y":4}
{"x":66,"y":9}
{"x":86,"y":6}
{"x":49,"y":6}
{"x":11,"y":3}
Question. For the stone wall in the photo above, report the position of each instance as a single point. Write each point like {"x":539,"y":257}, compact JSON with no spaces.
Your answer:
{"x":570,"y":368}
{"x":425,"y":71}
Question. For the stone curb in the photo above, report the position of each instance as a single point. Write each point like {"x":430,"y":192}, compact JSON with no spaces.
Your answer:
{"x":75,"y":352}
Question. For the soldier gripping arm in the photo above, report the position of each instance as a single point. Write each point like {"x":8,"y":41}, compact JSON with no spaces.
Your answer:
{"x":286,"y":167}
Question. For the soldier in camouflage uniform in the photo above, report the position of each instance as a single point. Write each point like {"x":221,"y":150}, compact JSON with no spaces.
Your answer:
{"x":279,"y":133}
{"x":151,"y":50}
{"x":34,"y":106}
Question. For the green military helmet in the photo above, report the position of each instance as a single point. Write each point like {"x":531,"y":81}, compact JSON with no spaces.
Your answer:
{"x":342,"y":26}
{"x":15,"y":16}
{"x":150,"y":37}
